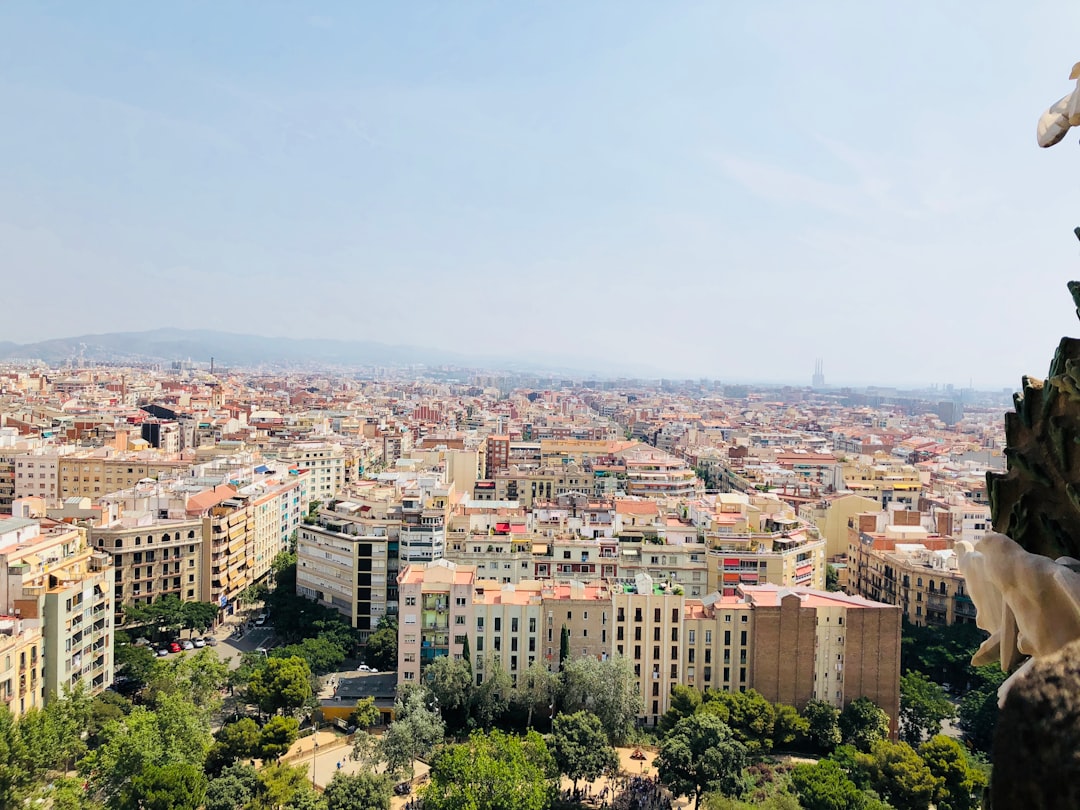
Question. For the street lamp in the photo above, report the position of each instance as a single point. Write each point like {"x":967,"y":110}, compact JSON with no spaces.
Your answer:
{"x":314,"y":747}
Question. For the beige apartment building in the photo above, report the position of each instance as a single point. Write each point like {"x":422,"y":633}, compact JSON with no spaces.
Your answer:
{"x":51,"y":579}
{"x":152,"y":558}
{"x":790,"y":644}
{"x":98,"y":472}
{"x":20,"y":666}
{"x":327,"y":463}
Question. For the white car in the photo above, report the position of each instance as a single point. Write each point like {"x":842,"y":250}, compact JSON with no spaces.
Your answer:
{"x":261,"y":620}
{"x":187,"y":644}
{"x":364,"y":668}
{"x":199,"y":642}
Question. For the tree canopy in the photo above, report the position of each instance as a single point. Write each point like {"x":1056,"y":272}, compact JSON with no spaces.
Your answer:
{"x":700,"y":753}
{"x":581,"y":748}
{"x":924,"y":705}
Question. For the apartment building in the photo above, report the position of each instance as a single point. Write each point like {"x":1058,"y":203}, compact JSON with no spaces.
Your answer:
{"x":36,"y":474}
{"x":327,"y":463}
{"x":790,"y":644}
{"x":653,"y":474}
{"x":435,"y":614}
{"x":20,"y":665}
{"x":152,"y":558}
{"x":95,"y":473}
{"x":341,"y":566}
{"x":51,"y":579}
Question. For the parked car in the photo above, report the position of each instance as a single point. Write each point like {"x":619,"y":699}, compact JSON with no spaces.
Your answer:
{"x":162,"y":652}
{"x":187,"y":644}
{"x":210,"y":641}
{"x":198,"y":642}
{"x":174,"y":646}
{"x":142,"y":642}
{"x":364,"y":668}
{"x":373,"y":670}
{"x":261,"y":620}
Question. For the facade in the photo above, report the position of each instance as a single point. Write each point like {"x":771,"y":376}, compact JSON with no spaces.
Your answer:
{"x":327,"y":463}
{"x":790,"y":644}
{"x":99,"y":472}
{"x":152,"y":558}
{"x":20,"y":666}
{"x":54,"y":582}
{"x":342,"y":568}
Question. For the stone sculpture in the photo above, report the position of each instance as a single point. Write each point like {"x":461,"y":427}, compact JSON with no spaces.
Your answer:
{"x":1065,"y":113}
{"x":1024,"y":577}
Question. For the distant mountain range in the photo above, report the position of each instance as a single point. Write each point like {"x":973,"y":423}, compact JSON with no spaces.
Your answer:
{"x":227,"y":349}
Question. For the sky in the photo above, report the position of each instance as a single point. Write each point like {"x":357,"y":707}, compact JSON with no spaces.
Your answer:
{"x":718,"y":189}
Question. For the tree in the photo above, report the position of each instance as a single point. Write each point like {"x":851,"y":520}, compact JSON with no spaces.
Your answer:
{"x":276,"y":736}
{"x":15,"y":778}
{"x":700,"y":753}
{"x":381,"y":650}
{"x":165,"y":787}
{"x":233,"y":741}
{"x":825,"y":786}
{"x":564,"y":647}
{"x":685,"y":701}
{"x":281,"y":784}
{"x":923,"y":707}
{"x":606,"y":688}
{"x":960,"y":781}
{"x":103,"y":708}
{"x":535,"y":692}
{"x":491,"y":698}
{"x":490,"y":772}
{"x":832,"y":578}
{"x":899,"y":775}
{"x":789,"y":726}
{"x":235,"y":788}
{"x":942,"y":654}
{"x":135,"y":662}
{"x":979,"y":708}
{"x":284,"y":683}
{"x":450,"y":683}
{"x":862,"y":723}
{"x":321,"y":653}
{"x":415,"y":733}
{"x":361,"y":791}
{"x":823,"y":725}
{"x":197,"y":678}
{"x":366,"y":714}
{"x":199,"y":616}
{"x":581,"y":747}
{"x":748,"y":714}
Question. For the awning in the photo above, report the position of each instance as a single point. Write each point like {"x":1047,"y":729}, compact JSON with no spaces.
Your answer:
{"x":539,"y":548}
{"x":630,"y":552}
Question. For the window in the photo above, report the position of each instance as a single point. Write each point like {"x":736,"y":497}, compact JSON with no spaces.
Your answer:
{"x":459,"y":620}
{"x":692,"y":633}
{"x":656,"y":634}
{"x":708,"y":636}
{"x":498,"y":625}
{"x":513,"y":624}
{"x":655,"y":653}
{"x":656,"y":614}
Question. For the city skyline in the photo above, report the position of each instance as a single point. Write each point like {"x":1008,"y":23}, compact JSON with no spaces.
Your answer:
{"x":723,"y":193}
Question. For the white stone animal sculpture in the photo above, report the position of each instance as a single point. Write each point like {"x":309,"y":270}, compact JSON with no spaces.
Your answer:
{"x":1028,"y":603}
{"x":1057,"y":120}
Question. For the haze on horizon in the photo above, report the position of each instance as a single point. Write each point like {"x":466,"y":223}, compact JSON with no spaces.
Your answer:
{"x":715,"y":189}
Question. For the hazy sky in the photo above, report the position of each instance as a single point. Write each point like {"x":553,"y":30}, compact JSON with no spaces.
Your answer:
{"x":722,"y":189}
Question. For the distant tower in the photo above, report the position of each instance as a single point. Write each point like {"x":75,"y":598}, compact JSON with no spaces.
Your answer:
{"x":211,"y":365}
{"x":819,"y":374}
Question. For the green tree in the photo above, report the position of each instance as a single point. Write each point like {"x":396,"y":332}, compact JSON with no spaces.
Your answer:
{"x":535,"y":692}
{"x":137,"y":663}
{"x":700,"y":753}
{"x":284,"y":683}
{"x":960,"y":780}
{"x":491,"y":699}
{"x":492,"y":771}
{"x":862,"y":723}
{"x":281,"y":785}
{"x":789,"y":727}
{"x":685,"y":701}
{"x":979,"y":707}
{"x":199,"y":616}
{"x":450,"y":683}
{"x":197,"y":678}
{"x":825,"y":786}
{"x":15,"y":777}
{"x":366,"y":714}
{"x":276,"y":736}
{"x":165,"y":787}
{"x":923,"y":707}
{"x":564,"y":647}
{"x":414,"y":734}
{"x":322,"y":653}
{"x":748,"y":714}
{"x":899,"y":775}
{"x":581,"y":747}
{"x":104,"y":707}
{"x":942,"y":654}
{"x":606,"y":688}
{"x":361,"y":791}
{"x":233,"y":741}
{"x":381,"y":651}
{"x":832,"y":578}
{"x":823,"y":721}
{"x":237,"y":786}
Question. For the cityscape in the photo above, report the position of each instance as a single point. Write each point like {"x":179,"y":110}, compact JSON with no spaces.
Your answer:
{"x":607,"y":406}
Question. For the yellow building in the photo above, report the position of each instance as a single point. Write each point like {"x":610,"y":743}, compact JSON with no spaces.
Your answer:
{"x":20,"y":666}
{"x":831,"y":515}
